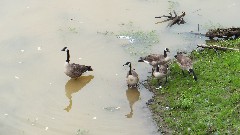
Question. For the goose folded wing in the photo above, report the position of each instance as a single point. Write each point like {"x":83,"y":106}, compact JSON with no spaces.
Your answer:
{"x":79,"y":69}
{"x":134,"y":73}
{"x":153,"y":57}
{"x":187,"y":62}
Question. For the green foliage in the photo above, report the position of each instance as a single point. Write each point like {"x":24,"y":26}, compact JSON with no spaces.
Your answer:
{"x":210,"y":105}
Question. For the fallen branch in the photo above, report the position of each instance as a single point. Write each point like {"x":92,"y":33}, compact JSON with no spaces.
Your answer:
{"x":175,"y":19}
{"x":217,"y":47}
{"x":223,"y":33}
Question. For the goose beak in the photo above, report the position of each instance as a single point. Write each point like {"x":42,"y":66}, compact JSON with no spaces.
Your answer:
{"x":64,"y":49}
{"x":127,"y":63}
{"x":167,"y":50}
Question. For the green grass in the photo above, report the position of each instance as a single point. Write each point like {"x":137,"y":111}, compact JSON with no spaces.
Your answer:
{"x":209,"y":106}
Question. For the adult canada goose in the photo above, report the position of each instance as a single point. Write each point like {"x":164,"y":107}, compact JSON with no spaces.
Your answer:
{"x":186,"y":64}
{"x":156,"y":59}
{"x":74,"y":70}
{"x":132,"y":76}
{"x":160,"y":72}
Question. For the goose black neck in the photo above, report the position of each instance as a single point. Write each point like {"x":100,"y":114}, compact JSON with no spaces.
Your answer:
{"x":157,"y":68}
{"x":68,"y":56}
{"x":165,"y":53}
{"x":130,"y":71}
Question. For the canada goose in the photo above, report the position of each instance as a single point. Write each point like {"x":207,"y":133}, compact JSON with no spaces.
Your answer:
{"x":132,"y":76}
{"x":74,"y":70}
{"x":160,"y":72}
{"x":186,"y":64}
{"x":156,"y":59}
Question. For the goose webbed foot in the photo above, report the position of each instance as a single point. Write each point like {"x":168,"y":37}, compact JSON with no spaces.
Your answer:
{"x":159,"y":85}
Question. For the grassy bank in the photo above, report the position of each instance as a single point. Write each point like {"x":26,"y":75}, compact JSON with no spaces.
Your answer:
{"x":209,"y":106}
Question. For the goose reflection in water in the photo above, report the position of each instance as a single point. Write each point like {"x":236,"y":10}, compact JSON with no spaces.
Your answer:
{"x":75,"y":85}
{"x":133,"y":96}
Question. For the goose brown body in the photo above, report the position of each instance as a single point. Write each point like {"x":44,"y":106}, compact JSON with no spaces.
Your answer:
{"x":75,"y":70}
{"x":161,"y":71}
{"x":132,"y":76}
{"x":132,"y":79}
{"x":156,"y":59}
{"x":185,"y":63}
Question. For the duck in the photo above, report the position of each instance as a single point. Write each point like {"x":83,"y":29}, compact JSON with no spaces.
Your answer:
{"x":160,"y":72}
{"x":132,"y":76}
{"x":185,"y":63}
{"x":156,"y":59}
{"x":74,"y":70}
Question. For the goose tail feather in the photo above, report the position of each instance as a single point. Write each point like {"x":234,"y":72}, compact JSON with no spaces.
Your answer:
{"x":141,"y":59}
{"x":89,"y":68}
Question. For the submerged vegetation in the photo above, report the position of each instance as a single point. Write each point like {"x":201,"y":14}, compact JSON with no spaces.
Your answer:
{"x":209,"y":106}
{"x":138,"y":41}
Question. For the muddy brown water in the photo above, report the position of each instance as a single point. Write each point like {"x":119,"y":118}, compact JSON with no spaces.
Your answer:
{"x":36,"y":97}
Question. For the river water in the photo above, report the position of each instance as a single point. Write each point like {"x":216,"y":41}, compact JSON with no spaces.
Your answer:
{"x":37,"y":98}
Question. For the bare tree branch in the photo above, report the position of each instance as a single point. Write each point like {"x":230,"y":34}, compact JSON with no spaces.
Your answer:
{"x":217,"y":47}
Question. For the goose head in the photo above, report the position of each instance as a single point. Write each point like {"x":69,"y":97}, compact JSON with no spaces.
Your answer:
{"x":68,"y":55}
{"x":127,"y":63}
{"x":178,"y":54}
{"x":165,"y":52}
{"x":130,"y":66}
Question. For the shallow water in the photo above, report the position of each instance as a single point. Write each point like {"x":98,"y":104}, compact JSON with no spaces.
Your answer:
{"x":36,"y":97}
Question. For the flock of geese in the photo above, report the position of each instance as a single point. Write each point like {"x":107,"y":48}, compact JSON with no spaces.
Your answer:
{"x":159,"y":63}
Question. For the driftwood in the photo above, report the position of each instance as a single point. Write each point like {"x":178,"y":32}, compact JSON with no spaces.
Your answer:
{"x":223,"y":33}
{"x":174,"y":19}
{"x":217,"y":47}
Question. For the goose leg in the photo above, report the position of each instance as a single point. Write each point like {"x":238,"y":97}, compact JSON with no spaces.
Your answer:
{"x":216,"y":52}
{"x":183,"y":73}
{"x":165,"y":81}
{"x":152,"y":71}
{"x":189,"y":73}
{"x":159,"y":84}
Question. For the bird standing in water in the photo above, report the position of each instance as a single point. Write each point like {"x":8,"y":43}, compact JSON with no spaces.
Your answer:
{"x":132,"y":76}
{"x":74,"y":70}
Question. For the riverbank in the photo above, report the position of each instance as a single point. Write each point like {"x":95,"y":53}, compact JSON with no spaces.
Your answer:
{"x":209,"y":106}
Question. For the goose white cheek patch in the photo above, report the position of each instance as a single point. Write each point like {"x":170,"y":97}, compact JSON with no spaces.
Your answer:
{"x":146,"y":61}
